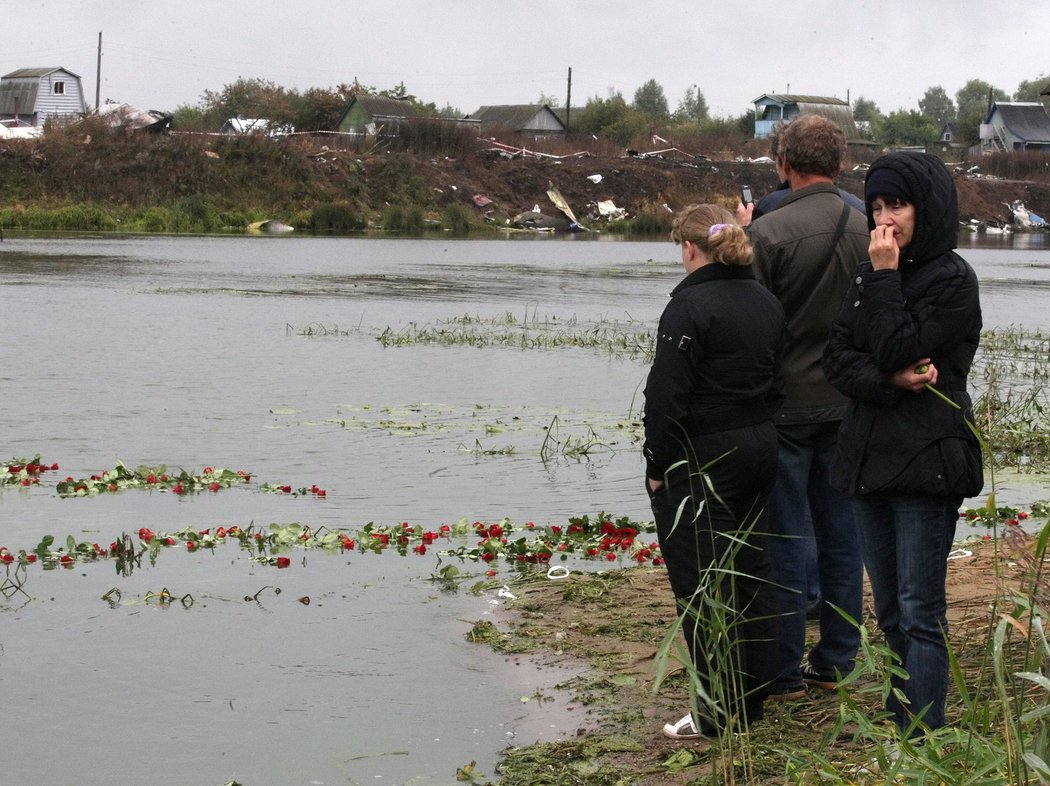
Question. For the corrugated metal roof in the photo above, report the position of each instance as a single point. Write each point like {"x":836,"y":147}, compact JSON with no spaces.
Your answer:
{"x":842,"y":116}
{"x":36,"y":73}
{"x":21,"y":93}
{"x":383,"y":106}
{"x":513,"y":116}
{"x":791,"y":98}
{"x":1027,"y":121}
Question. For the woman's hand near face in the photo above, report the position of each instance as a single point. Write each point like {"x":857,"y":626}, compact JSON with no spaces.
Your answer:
{"x":883,"y":249}
{"x":909,"y":378}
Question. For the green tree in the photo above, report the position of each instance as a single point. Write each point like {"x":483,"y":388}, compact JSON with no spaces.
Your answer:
{"x":649,"y":100}
{"x":936,"y":104}
{"x":599,"y":113}
{"x":906,"y":129}
{"x":972,"y":103}
{"x":1030,"y":89}
{"x":692,"y":107}
{"x":865,"y":111}
{"x":550,"y":100}
{"x":612,"y":118}
{"x":255,"y":98}
{"x":321,"y":109}
{"x":188,"y":118}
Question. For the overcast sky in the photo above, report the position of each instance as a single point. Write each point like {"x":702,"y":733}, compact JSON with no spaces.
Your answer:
{"x":161,"y":54}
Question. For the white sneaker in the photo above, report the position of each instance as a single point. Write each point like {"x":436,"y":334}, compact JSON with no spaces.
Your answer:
{"x":893,"y":755}
{"x":684,"y":729}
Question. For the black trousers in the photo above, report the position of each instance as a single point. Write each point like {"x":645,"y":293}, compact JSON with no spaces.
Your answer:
{"x":711,"y":522}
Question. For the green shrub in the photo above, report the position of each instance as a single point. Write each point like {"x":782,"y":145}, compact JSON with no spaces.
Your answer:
{"x":653,"y":220}
{"x":194,"y":213}
{"x":395,"y":179}
{"x":335,"y":218}
{"x":405,"y":221}
{"x":73,"y":218}
{"x":457,"y":219}
{"x":153,"y":219}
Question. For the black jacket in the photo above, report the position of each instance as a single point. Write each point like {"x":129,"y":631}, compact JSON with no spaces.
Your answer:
{"x":717,"y":362}
{"x":894,"y":441}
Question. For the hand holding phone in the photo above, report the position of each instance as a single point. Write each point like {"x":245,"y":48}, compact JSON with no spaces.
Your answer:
{"x":745,"y":194}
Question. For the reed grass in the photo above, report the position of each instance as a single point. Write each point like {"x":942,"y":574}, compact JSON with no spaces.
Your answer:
{"x":628,"y":340}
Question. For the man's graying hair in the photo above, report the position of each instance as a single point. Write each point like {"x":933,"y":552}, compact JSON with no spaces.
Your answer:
{"x":813,"y":145}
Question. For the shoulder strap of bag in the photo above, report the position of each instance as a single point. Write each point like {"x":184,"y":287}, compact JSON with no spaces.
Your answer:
{"x":839,"y":230}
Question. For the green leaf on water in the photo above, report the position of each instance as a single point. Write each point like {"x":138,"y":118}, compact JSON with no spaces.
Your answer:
{"x":44,"y":547}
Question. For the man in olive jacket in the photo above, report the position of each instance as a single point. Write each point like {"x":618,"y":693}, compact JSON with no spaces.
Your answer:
{"x":806,"y":253}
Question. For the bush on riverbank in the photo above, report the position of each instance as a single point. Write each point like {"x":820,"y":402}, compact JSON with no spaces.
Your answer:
{"x":89,"y":177}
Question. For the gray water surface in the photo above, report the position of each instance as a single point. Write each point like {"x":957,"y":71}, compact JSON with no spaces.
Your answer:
{"x":190,"y":352}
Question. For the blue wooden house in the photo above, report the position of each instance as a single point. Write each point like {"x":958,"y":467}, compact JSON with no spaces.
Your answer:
{"x":1015,"y":126}
{"x":32,"y":96}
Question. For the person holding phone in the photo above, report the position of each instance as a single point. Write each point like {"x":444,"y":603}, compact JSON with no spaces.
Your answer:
{"x":710,"y":458}
{"x":911,"y":319}
{"x":806,"y":253}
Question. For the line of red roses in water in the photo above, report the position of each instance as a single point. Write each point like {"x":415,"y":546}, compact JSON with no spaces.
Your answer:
{"x":27,"y":473}
{"x":601,"y":538}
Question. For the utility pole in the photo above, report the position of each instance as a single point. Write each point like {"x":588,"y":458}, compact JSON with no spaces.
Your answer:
{"x":568,"y":101}
{"x":98,"y":73}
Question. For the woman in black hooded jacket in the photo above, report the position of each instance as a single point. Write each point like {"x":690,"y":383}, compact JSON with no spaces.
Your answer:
{"x":911,"y":319}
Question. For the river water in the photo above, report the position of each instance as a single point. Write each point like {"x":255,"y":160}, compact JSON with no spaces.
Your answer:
{"x":261,"y":354}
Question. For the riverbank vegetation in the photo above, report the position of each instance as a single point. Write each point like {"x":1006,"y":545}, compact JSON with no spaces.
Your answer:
{"x":87,"y":177}
{"x":625,"y":627}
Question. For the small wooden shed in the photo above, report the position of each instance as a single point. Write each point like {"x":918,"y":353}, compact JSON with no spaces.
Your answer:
{"x":772,"y":108}
{"x":368,"y":114}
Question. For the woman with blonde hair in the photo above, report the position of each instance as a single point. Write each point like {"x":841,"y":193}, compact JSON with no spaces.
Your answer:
{"x":711,"y":452}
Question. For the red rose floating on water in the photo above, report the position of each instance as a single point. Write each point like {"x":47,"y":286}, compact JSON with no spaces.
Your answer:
{"x":283,"y":562}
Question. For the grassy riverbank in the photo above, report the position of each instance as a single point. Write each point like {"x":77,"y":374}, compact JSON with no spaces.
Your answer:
{"x":622,"y":626}
{"x":614,"y":624}
{"x":89,"y":178}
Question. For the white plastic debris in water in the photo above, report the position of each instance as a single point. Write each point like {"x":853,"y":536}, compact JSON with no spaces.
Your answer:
{"x":608,"y":209}
{"x":504,"y":592}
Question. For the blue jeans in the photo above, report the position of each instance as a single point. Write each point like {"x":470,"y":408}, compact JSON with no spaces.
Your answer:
{"x":805,"y":453}
{"x":906,"y":540}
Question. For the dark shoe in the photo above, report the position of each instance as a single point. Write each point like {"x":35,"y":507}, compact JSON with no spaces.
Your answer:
{"x":786,"y":691}
{"x":819,"y":679}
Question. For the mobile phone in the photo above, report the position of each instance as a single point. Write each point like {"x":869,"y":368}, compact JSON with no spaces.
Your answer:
{"x":745,"y":194}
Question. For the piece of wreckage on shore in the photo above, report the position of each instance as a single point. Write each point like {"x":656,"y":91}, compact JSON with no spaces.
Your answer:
{"x":132,"y":118}
{"x":564,"y":220}
{"x":1022,"y":220}
{"x":1025,"y":218}
{"x":270,"y":226}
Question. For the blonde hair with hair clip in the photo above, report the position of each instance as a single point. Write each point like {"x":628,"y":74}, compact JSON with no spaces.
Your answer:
{"x":714,"y":231}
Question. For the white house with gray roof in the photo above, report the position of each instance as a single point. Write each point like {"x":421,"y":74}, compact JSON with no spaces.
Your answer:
{"x":32,"y":96}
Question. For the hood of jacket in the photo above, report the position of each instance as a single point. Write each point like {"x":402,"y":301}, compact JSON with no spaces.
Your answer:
{"x":936,"y":203}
